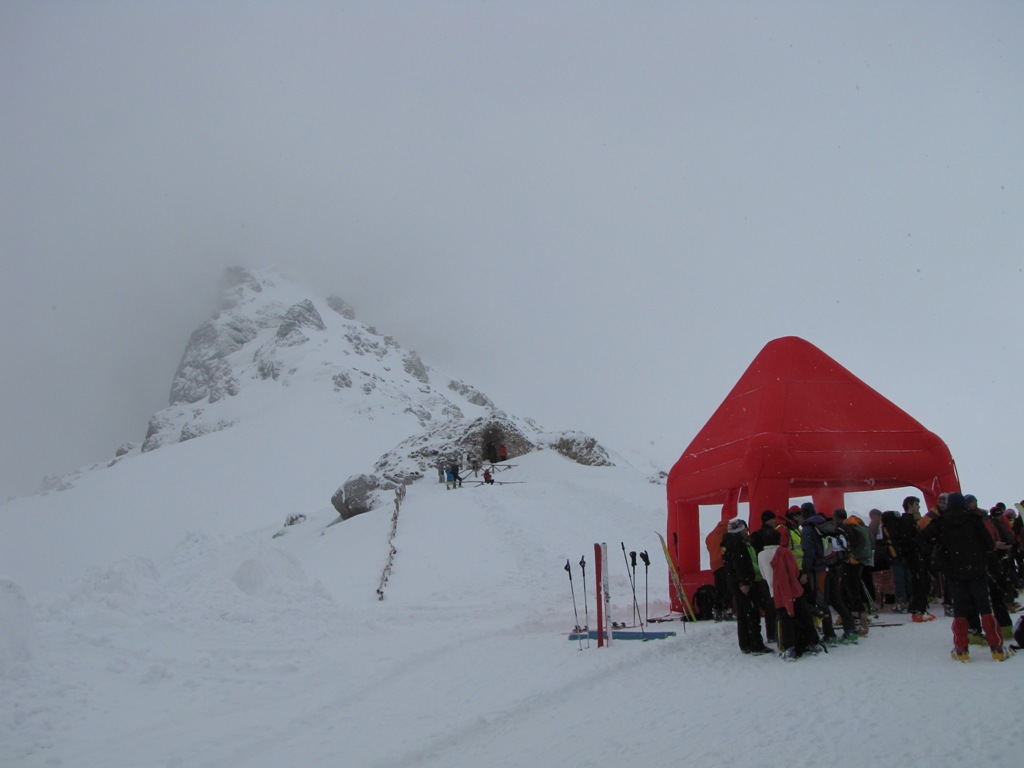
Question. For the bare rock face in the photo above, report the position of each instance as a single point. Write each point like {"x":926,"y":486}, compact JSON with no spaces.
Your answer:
{"x":357,"y":496}
{"x":583,"y":449}
{"x":299,"y":316}
{"x":415,"y":367}
{"x":161,"y":429}
{"x":203,"y":372}
{"x":473,"y":395}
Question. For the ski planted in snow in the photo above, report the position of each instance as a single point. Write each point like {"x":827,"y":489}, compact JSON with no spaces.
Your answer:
{"x":675,"y":578}
{"x":604,"y":598}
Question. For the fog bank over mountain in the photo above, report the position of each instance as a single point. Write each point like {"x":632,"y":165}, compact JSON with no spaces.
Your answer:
{"x":597,"y":215}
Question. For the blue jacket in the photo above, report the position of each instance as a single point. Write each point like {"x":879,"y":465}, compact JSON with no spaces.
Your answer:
{"x":814,"y":550}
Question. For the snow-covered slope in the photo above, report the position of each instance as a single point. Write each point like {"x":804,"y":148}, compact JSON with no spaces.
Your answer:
{"x":159,"y":612}
{"x":293,"y":398}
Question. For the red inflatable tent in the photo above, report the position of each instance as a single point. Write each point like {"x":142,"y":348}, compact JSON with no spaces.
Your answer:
{"x":796,"y":424}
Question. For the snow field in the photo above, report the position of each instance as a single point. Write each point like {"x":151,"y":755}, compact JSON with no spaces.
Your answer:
{"x":231,"y":649}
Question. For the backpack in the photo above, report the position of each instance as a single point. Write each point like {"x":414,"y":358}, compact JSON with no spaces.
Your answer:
{"x":833,"y":544}
{"x":704,"y":602}
{"x":859,"y":537}
{"x":883,"y":556}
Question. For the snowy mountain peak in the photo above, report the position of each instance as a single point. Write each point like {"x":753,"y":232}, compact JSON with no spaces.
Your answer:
{"x":277,"y":349}
{"x":252,"y":303}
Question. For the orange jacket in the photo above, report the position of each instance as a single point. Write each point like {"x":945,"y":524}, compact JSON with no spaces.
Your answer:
{"x":714,"y":544}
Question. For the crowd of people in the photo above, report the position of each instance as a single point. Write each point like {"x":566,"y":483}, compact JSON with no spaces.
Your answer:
{"x":812,"y":580}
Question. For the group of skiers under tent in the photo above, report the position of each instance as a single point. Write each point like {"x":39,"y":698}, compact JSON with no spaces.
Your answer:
{"x":816,"y":580}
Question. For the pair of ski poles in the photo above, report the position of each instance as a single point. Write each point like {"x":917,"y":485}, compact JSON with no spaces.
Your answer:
{"x":586,"y":607}
{"x":631,"y":562}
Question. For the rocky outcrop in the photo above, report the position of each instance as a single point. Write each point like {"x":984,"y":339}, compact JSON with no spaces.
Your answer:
{"x":581,"y":448}
{"x":299,"y":316}
{"x":454,"y":440}
{"x":473,"y":395}
{"x":203,"y":372}
{"x":359,"y":495}
{"x":415,"y":367}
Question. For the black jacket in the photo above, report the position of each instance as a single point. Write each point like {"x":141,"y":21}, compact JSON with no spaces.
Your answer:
{"x":965,"y":542}
{"x":739,"y":567}
{"x":907,"y":540}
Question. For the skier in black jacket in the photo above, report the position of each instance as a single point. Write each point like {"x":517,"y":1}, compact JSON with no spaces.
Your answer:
{"x":738,"y":560}
{"x":965,"y":546}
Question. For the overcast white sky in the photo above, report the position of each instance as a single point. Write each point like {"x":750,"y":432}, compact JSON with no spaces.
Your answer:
{"x":598,"y":213}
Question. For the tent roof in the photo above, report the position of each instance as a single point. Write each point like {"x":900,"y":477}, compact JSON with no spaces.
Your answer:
{"x":796,"y":414}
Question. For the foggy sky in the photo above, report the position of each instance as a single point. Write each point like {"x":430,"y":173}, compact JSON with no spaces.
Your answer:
{"x":597,"y":213}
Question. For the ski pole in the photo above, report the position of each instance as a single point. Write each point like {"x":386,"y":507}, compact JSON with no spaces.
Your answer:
{"x":575,"y":613}
{"x":872,"y":606}
{"x":647,"y":564}
{"x":632,"y":586}
{"x":636,"y":605}
{"x":632,"y":563}
{"x":586,"y":608}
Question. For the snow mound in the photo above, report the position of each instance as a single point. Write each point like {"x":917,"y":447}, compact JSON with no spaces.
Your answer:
{"x":127,"y":586}
{"x":271,"y":571}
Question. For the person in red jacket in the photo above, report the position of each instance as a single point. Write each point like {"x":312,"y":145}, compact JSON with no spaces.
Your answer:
{"x":796,"y":632}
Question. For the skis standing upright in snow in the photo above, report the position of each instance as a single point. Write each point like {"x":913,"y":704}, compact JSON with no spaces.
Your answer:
{"x":604,"y":618}
{"x":676,"y":581}
{"x":606,"y":592}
